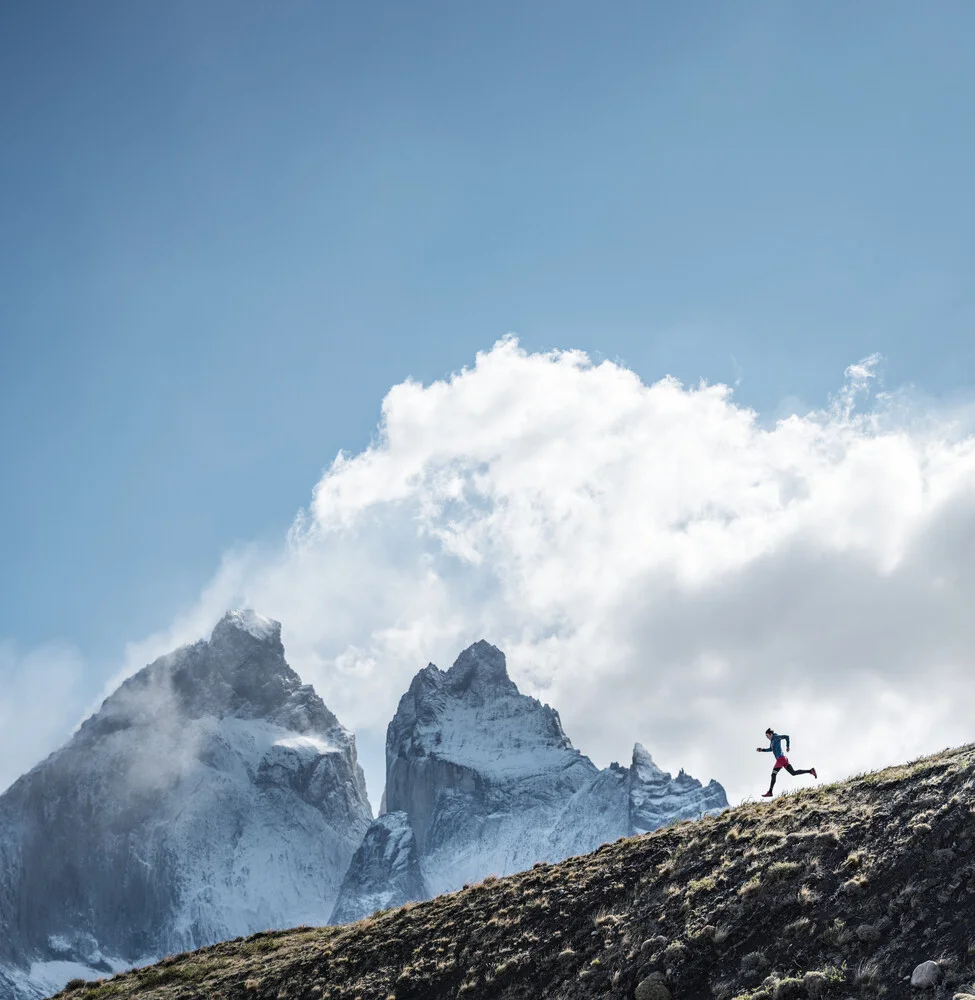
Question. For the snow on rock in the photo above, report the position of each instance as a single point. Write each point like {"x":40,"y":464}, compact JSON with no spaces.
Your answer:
{"x":491,"y":784}
{"x":212,"y":795}
{"x":656,"y":799}
{"x":384,"y":872}
{"x":255,"y":625}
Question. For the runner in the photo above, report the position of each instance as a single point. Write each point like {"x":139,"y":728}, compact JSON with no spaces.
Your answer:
{"x":781,"y":761}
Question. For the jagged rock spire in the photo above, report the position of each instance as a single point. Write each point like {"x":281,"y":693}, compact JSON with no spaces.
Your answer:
{"x":491,"y":783}
{"x":480,"y":670}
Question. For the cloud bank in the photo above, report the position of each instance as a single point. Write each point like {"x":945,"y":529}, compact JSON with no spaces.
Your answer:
{"x":40,"y":698}
{"x":655,"y":562}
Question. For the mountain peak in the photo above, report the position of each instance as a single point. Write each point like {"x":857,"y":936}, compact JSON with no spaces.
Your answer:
{"x":245,"y":621}
{"x":212,"y":795}
{"x":642,"y":759}
{"x":240,"y":672}
{"x":480,"y":667}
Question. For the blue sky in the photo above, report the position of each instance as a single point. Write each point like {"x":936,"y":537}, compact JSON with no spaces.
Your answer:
{"x":230,"y":227}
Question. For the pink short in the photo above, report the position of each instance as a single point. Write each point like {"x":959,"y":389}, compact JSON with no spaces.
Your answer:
{"x":780,"y":762}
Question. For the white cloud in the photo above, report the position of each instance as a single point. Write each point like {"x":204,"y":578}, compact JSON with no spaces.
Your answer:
{"x":656,"y":563}
{"x":40,"y":699}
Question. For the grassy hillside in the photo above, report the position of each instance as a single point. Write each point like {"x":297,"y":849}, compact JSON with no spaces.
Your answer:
{"x":834,"y":891}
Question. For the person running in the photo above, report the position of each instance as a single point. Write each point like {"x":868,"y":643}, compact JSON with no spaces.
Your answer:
{"x":781,"y":761}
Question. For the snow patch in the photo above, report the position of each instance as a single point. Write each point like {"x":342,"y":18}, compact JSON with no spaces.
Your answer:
{"x":51,"y":977}
{"x":508,"y":737}
{"x":254,"y":624}
{"x":310,"y":744}
{"x":46,"y":978}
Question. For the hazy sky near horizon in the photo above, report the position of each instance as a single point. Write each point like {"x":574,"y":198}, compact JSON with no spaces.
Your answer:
{"x":232,"y":230}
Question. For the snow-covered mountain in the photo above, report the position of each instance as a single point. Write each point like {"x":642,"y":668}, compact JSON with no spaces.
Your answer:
{"x":212,"y":795}
{"x":489,"y":783}
{"x":385,"y":871}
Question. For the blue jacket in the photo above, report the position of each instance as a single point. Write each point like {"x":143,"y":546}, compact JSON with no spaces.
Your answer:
{"x":776,"y":744}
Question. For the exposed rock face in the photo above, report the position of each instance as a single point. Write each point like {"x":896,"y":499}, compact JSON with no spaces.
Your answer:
{"x":385,"y":871}
{"x":212,"y":795}
{"x":482,"y":771}
{"x":656,"y":799}
{"x":491,"y":784}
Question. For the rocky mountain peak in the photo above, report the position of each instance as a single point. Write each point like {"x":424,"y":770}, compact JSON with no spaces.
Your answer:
{"x":244,"y":624}
{"x":212,"y":795}
{"x":481,"y":670}
{"x":642,"y":759}
{"x":490,"y":782}
{"x":428,"y":681}
{"x":241,"y":672}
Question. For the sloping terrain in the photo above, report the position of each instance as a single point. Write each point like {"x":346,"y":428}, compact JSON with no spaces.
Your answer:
{"x":835,"y":891}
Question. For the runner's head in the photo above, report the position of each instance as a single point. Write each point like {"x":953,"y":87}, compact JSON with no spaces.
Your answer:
{"x":770,"y":732}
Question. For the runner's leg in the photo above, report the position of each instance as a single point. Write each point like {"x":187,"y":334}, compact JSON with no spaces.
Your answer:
{"x":792,"y":770}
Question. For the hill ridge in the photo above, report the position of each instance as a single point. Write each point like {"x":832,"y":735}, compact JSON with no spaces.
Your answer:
{"x":836,"y":890}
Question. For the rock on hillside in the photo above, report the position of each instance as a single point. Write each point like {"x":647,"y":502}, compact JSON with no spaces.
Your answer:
{"x":490,"y":784}
{"x":835,"y":891}
{"x":212,"y":795}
